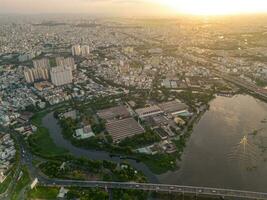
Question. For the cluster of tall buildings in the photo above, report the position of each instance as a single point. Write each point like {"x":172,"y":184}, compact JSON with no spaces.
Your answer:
{"x":59,"y":75}
{"x":80,"y":50}
{"x":40,"y":71}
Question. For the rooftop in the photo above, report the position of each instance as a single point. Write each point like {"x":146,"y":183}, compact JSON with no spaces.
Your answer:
{"x":114,"y":112}
{"x":124,"y":128}
{"x":173,"y":106}
{"x":147,"y":110}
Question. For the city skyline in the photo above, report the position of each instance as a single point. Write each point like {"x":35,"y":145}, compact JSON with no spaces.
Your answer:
{"x":133,"y":99}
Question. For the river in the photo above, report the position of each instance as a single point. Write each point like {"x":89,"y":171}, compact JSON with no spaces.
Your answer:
{"x":214,"y":156}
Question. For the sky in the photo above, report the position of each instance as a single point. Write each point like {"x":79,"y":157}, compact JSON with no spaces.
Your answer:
{"x":134,"y":7}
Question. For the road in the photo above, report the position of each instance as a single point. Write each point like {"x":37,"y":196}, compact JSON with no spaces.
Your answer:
{"x":254,"y":89}
{"x":242,"y":83}
{"x":159,"y":188}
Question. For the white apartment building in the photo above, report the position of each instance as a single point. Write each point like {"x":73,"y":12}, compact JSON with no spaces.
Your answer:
{"x":29,"y":76}
{"x":76,"y":50}
{"x":41,"y":63}
{"x":36,"y":73}
{"x":61,"y":75}
{"x":85,"y":50}
{"x":66,"y":62}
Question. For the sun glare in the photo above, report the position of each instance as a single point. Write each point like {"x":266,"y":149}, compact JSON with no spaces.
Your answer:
{"x":216,"y":7}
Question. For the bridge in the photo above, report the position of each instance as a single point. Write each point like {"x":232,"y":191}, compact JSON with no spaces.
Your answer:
{"x":189,"y":190}
{"x":242,"y":83}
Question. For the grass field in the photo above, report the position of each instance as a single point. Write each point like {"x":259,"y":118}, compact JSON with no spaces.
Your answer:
{"x":43,"y":193}
{"x":21,"y":184}
{"x":5,"y":184}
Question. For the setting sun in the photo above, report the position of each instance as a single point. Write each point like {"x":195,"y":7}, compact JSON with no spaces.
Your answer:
{"x":216,"y":7}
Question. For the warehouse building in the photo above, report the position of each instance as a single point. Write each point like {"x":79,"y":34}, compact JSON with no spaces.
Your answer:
{"x":148,"y":111}
{"x":124,"y":128}
{"x":118,"y":112}
{"x":173,"y":107}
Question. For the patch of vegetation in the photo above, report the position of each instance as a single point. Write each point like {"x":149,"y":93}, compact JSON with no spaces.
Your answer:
{"x":130,"y":194}
{"x":191,"y":98}
{"x":41,"y":144}
{"x":87,"y":194}
{"x":141,"y":140}
{"x":261,"y":83}
{"x":5,"y":184}
{"x":41,"y":192}
{"x":180,"y":144}
{"x":84,"y":169}
{"x":21,"y":183}
{"x":159,"y":163}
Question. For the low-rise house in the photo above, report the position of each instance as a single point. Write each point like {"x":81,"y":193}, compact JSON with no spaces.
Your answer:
{"x":71,"y":114}
{"x":84,"y":133}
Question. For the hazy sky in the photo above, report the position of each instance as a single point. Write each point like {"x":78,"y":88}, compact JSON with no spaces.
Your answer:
{"x":133,"y":7}
{"x":107,"y":7}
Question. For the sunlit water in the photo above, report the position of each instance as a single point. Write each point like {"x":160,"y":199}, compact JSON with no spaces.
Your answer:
{"x":227,"y":147}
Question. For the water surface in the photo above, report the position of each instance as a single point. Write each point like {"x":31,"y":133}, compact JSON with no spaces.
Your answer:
{"x":213,"y":156}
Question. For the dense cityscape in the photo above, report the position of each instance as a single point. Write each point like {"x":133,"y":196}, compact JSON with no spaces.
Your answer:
{"x":117,"y":100}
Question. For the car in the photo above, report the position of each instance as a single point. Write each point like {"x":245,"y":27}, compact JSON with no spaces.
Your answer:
{"x":137,"y":186}
{"x":157,"y":188}
{"x":214,"y":191}
{"x":200,"y":191}
{"x":172,"y":188}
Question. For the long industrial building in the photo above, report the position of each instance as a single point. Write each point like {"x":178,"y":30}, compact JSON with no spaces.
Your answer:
{"x":114,"y":113}
{"x":148,"y":111}
{"x":124,"y":128}
{"x":173,"y":107}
